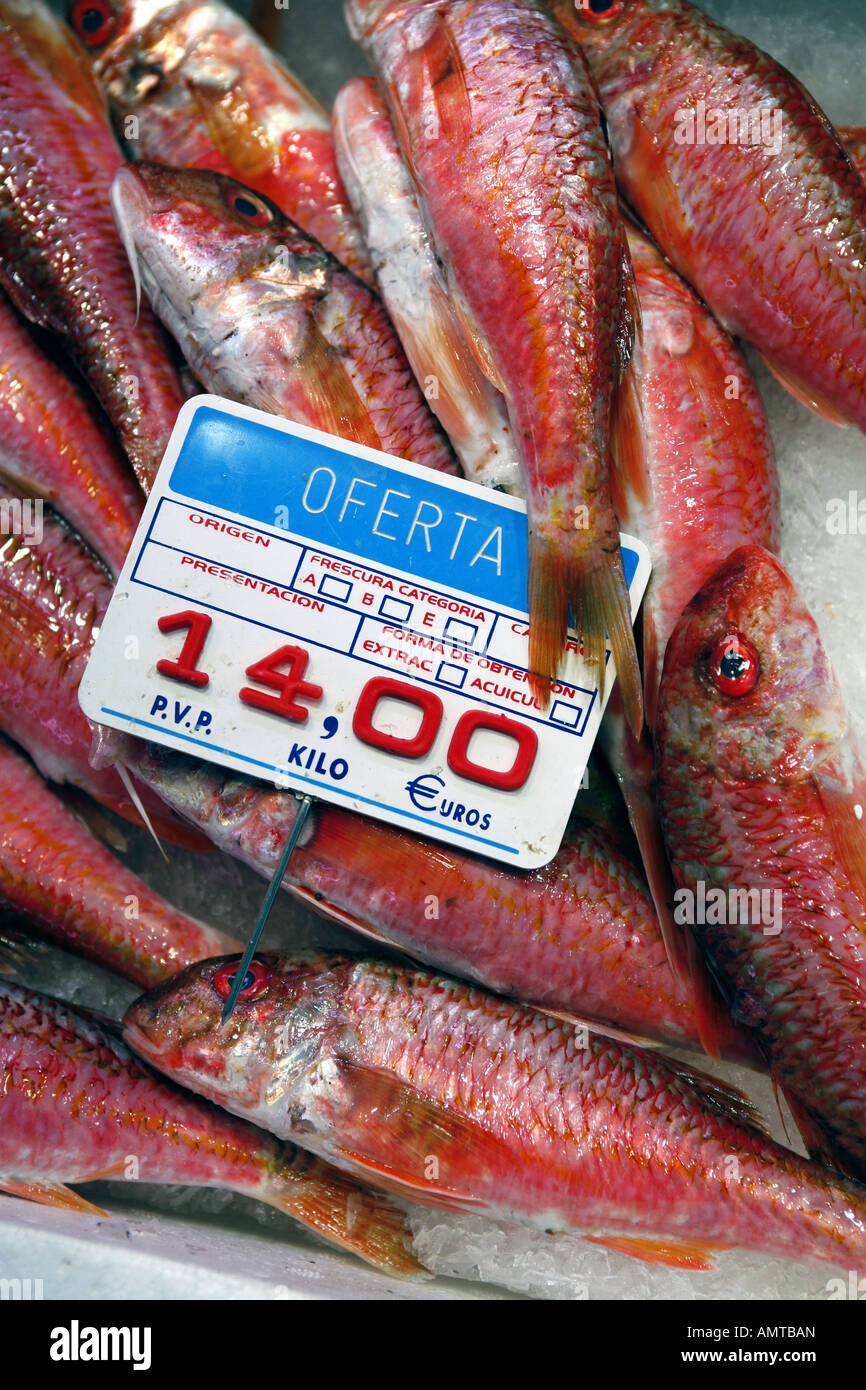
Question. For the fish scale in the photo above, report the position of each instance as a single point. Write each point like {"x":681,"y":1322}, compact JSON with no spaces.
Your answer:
{"x":76,"y":1105}
{"x":382,"y":1069}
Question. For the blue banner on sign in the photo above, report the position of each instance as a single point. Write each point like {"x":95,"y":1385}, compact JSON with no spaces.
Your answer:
{"x":444,"y":535}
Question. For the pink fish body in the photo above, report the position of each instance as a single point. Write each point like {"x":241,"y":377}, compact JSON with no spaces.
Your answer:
{"x":579,"y":935}
{"x":70,"y":888}
{"x":699,"y":475}
{"x":265,"y":316}
{"x":415,"y":290}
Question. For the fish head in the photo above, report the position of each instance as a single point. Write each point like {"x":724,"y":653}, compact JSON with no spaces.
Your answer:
{"x":134,"y":46}
{"x":210,"y":251}
{"x":285,"y":1016}
{"x":748,"y":691}
{"x":612,"y":33}
{"x":363,"y":16}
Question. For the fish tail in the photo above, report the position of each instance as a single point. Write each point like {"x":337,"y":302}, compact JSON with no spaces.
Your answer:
{"x":591,"y":587}
{"x":342,"y":1211}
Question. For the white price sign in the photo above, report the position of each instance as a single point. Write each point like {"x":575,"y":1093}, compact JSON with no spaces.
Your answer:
{"x":346,"y":624}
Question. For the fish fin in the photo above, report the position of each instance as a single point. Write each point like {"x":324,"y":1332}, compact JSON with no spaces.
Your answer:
{"x":783,"y":1119}
{"x":847,"y":829}
{"x":113,"y":1170}
{"x":335,"y":404}
{"x":50,"y":1194}
{"x":408,"y":1186}
{"x":437,"y":73}
{"x":629,"y":472}
{"x":728,"y":1101}
{"x":237,"y":136}
{"x":644,"y":818}
{"x":342,"y":917}
{"x":446,"y":74}
{"x":171,"y":828}
{"x":605,"y":1030}
{"x":126,"y":778}
{"x":709,"y":1009}
{"x":401,"y":130}
{"x":397,"y":1131}
{"x":475,"y":340}
{"x":679,"y":1254}
{"x":444,"y":351}
{"x":820,"y":1141}
{"x":335,"y":1206}
{"x":630,"y":319}
{"x":651,"y":673}
{"x":595,"y":592}
{"x":811,"y":399}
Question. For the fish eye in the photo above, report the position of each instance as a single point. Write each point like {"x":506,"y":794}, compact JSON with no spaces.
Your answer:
{"x":255,"y":982}
{"x":250,"y":208}
{"x":598,"y":11}
{"x":94,"y":21}
{"x":734,"y":665}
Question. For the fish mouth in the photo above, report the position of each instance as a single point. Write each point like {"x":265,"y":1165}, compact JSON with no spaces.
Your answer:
{"x":138,"y":1037}
{"x":136,"y":194}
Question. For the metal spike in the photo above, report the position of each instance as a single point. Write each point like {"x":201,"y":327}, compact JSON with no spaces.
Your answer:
{"x":304,"y":804}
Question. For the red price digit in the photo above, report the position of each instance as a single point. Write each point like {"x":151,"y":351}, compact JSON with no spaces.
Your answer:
{"x":515,"y":776}
{"x":429,"y":704}
{"x":185,"y":668}
{"x":289,"y":684}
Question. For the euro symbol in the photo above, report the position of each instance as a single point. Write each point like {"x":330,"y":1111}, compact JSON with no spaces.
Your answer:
{"x":424,"y":790}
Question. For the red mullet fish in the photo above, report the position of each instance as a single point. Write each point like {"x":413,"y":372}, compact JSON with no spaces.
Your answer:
{"x":762,"y":794}
{"x":743,"y":182}
{"x":60,"y":258}
{"x":76,"y":1106}
{"x":579,"y":936}
{"x":70,"y":888}
{"x":265,"y":316}
{"x":695,"y":478}
{"x":499,"y":123}
{"x":193,"y":85}
{"x":454,"y":1098}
